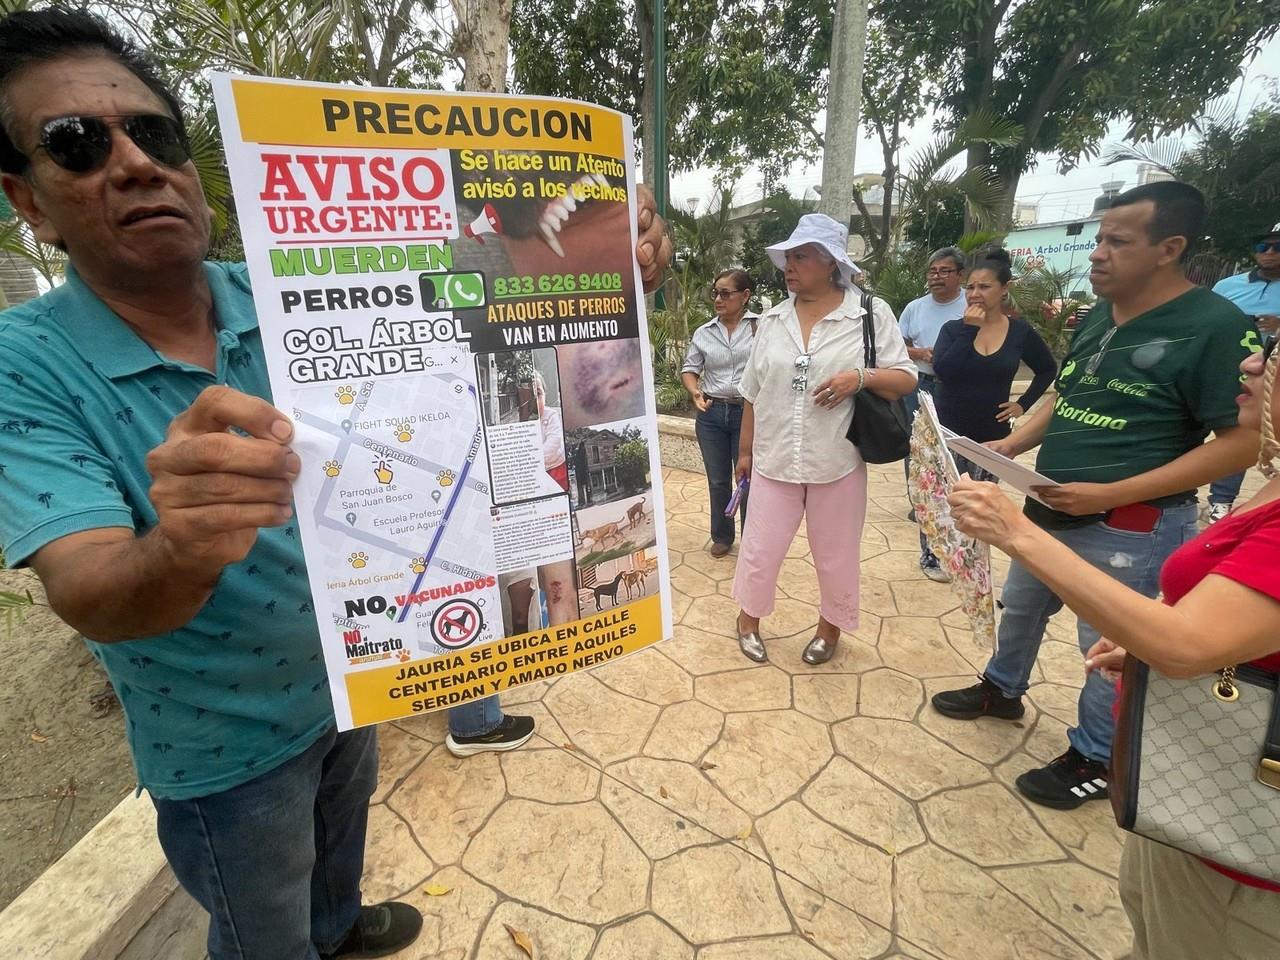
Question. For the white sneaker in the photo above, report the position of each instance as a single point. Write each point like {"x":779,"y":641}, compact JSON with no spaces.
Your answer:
{"x":1219,"y":510}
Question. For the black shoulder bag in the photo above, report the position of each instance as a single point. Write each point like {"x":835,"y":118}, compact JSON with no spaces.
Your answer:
{"x":880,"y":429}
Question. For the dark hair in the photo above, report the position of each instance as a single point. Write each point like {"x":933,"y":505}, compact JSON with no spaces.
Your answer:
{"x":30,"y":37}
{"x":995,"y":259}
{"x":740,"y":279}
{"x":954,"y":254}
{"x":1179,"y":210}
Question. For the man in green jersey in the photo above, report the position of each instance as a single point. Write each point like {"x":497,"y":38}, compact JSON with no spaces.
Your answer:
{"x":1151,"y":372}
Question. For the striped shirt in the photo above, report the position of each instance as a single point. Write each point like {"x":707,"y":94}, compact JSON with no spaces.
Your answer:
{"x":718,"y":358}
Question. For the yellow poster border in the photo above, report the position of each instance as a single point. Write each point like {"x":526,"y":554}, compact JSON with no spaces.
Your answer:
{"x":417,"y":687}
{"x":304,"y":115}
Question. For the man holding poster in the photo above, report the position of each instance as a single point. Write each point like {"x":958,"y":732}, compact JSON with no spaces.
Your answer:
{"x":154,"y":501}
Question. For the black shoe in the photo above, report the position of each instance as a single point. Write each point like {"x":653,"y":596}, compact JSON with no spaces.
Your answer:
{"x":380,"y":931}
{"x":1065,"y":783}
{"x":984,"y":699}
{"x":930,"y":567}
{"x":511,"y":734}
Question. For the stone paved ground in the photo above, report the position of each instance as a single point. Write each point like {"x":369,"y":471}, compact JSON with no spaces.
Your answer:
{"x":686,"y":804}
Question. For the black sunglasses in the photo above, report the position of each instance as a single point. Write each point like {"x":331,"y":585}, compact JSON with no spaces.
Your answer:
{"x":1272,"y":246}
{"x":83,"y":144}
{"x":718,"y":293}
{"x":1268,"y":348}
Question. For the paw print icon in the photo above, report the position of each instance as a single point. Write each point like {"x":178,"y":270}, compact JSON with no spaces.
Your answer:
{"x":418,"y":564}
{"x":359,"y":560}
{"x":346,"y":395}
{"x":446,"y":477}
{"x":403,"y":656}
{"x":404,"y":432}
{"x":332,"y":468}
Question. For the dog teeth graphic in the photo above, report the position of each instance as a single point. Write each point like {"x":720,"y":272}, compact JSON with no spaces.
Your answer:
{"x":549,"y":235}
{"x":559,"y":210}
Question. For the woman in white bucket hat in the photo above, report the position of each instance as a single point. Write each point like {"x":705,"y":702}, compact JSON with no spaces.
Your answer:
{"x":806,"y":366}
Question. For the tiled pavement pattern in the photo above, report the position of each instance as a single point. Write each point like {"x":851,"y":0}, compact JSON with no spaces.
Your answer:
{"x":686,"y":804}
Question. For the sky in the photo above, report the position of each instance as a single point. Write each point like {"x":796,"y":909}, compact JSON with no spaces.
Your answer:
{"x":1059,"y":196}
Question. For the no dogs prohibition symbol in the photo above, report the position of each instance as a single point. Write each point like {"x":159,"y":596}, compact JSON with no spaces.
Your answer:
{"x":456,"y":623}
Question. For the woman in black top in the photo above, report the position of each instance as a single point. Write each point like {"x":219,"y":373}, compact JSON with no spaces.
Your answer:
{"x":976,"y":358}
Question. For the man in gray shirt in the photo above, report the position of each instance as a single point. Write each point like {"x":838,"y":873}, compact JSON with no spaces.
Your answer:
{"x":920,"y":322}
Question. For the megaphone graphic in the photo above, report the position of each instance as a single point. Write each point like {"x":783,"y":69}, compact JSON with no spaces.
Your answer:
{"x":487,"y":222}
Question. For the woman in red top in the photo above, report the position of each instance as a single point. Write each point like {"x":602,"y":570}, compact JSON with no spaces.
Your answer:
{"x":1221,"y":606}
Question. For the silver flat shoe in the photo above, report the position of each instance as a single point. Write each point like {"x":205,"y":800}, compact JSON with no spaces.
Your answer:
{"x":752,"y":647}
{"x":819,"y":650}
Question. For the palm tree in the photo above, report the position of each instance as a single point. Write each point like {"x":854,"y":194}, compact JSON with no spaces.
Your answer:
{"x":705,"y":244}
{"x":17,"y":240}
{"x":45,"y":498}
{"x":929,"y":180}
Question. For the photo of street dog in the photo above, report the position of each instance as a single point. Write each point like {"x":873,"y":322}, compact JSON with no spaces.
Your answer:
{"x":615,"y":529}
{"x":618,"y":581}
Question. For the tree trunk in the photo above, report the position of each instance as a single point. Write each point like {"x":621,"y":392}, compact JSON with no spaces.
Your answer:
{"x":1009,"y":179}
{"x":979,"y":79}
{"x":484,"y":27}
{"x":848,"y":49}
{"x":648,"y":93}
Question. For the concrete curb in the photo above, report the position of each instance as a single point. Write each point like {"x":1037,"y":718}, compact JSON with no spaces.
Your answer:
{"x":102,"y":899}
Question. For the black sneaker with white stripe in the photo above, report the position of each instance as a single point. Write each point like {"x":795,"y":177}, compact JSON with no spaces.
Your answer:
{"x":1066,"y":782}
{"x":511,"y":734}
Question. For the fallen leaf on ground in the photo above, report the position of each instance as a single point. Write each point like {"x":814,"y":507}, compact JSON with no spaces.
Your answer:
{"x":663,"y":793}
{"x":521,"y":940}
{"x":744,"y":833}
{"x":706,"y":765}
{"x":436,"y":889}
{"x":808,"y":935}
{"x":569,"y":746}
{"x":39,"y":737}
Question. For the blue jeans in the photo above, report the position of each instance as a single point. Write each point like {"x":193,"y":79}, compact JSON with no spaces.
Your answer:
{"x":718,"y":428}
{"x":475,"y":717}
{"x":277,"y":861}
{"x":912,"y":400}
{"x":1135,"y":560}
{"x":1227,"y":489}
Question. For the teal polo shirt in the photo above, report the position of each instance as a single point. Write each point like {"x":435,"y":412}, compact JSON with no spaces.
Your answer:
{"x":242,"y":687}
{"x":1253,"y":293}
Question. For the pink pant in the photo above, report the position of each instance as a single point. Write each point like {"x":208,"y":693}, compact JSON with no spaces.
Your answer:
{"x":834,"y":513}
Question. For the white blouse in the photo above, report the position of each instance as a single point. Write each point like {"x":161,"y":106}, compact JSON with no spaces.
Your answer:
{"x":797,"y":441}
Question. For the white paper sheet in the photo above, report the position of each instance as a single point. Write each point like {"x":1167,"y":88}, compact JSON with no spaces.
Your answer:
{"x":1021,"y":478}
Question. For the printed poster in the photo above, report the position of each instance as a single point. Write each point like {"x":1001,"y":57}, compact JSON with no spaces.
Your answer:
{"x":451,"y":310}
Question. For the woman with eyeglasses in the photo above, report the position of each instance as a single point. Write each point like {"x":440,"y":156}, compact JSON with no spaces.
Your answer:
{"x":800,"y":387}
{"x":1220,"y":608}
{"x":712,"y":372}
{"x":977,"y":357}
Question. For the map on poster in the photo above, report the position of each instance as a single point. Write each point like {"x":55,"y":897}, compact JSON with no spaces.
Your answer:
{"x":451,"y":312}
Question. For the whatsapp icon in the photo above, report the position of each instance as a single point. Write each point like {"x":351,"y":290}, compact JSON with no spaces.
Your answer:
{"x":452,"y":291}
